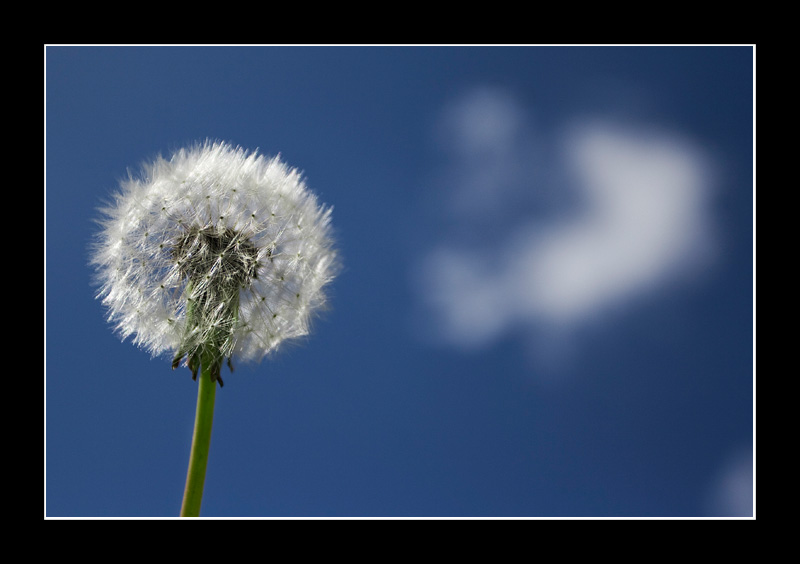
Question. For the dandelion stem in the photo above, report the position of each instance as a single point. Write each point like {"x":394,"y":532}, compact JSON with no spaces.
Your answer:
{"x":201,"y":439}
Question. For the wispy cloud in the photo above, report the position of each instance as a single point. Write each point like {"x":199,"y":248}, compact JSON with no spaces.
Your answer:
{"x":486,"y":134}
{"x":571,"y":225}
{"x":731,"y":492}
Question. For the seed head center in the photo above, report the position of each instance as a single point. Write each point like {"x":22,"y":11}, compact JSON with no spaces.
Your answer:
{"x":219,"y":259}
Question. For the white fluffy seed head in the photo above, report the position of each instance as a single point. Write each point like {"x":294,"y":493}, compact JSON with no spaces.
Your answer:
{"x":212,"y":224}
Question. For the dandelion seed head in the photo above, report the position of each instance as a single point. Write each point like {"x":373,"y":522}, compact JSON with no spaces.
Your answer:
{"x":214,"y":243}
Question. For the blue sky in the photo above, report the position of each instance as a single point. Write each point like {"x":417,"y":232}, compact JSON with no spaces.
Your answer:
{"x":546,"y":307}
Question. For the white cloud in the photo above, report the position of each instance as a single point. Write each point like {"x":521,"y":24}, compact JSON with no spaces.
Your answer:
{"x":731,"y":492}
{"x":487,"y":134}
{"x":644,"y":219}
{"x":639,"y":220}
{"x":465,"y":294}
{"x":486,"y":120}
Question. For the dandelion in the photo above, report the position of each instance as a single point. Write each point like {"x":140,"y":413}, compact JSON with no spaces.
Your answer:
{"x":215,"y":255}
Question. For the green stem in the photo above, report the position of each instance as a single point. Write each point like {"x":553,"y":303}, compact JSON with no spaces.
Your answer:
{"x":201,"y":439}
